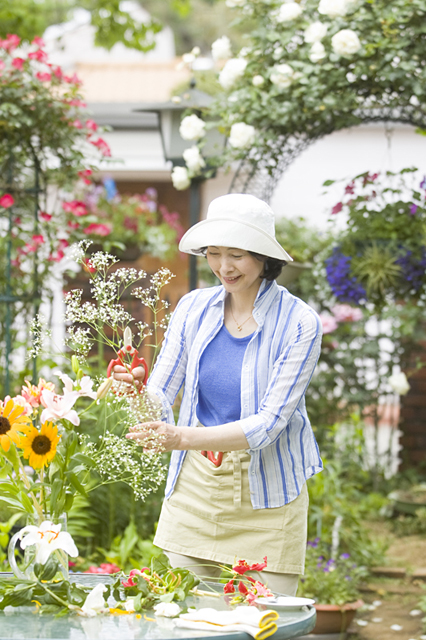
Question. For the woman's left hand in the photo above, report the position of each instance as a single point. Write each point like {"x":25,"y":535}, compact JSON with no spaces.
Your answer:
{"x":156,"y":436}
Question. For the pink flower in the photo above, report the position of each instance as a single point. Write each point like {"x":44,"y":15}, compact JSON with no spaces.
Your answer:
{"x":57,"y":71}
{"x":102,"y":146}
{"x":75,"y":102}
{"x":59,"y":407}
{"x":43,"y":77}
{"x":38,"y":240}
{"x":98,"y":229}
{"x":87,"y":266}
{"x":12,"y":41}
{"x":85,"y":175}
{"x":134,"y":572}
{"x":39,"y":55}
{"x":91,"y":125}
{"x":63,"y":243}
{"x":32,"y":393}
{"x":38,"y":42}
{"x":72,"y":225}
{"x":346,"y":313}
{"x":77,"y":124}
{"x":329,"y":323}
{"x":105,"y":567}
{"x":18,"y":63}
{"x":57,"y":256}
{"x":337,"y":208}
{"x":46,"y":217}
{"x":76,"y":207}
{"x":350,"y":188}
{"x":74,"y":79}
{"x":6,"y":201}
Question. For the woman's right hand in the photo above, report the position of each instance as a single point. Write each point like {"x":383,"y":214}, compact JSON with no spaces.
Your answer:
{"x":134,"y":377}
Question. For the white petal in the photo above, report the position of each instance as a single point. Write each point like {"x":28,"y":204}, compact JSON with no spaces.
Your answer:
{"x":65,"y":542}
{"x":95,"y":602}
{"x":72,"y":416}
{"x":66,"y":381}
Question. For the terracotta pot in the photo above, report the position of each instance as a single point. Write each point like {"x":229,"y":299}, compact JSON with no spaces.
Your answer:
{"x":332,"y":618}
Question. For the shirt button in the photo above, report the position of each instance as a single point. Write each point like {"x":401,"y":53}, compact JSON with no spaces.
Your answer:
{"x":253,"y":472}
{"x":246,"y":367}
{"x":246,"y":406}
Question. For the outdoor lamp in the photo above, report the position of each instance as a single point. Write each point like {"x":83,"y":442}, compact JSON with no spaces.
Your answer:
{"x":169,"y":116}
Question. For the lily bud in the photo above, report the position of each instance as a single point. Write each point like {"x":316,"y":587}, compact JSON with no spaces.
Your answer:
{"x":75,"y":364}
{"x":104,"y":388}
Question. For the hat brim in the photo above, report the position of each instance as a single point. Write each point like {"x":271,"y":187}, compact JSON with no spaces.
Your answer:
{"x":223,"y":232}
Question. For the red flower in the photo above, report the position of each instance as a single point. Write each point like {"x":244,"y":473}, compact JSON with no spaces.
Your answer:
{"x":43,"y":77}
{"x":63,"y":243}
{"x":85,"y":175}
{"x":242,"y":588}
{"x":77,"y":124}
{"x":72,"y":225}
{"x":45,"y":216}
{"x":259,"y":566}
{"x":39,"y":55}
{"x":91,"y":125}
{"x":87,"y":266}
{"x":76,"y":207}
{"x":6,"y":201}
{"x":12,"y":41}
{"x":241,"y":567}
{"x":38,"y":240}
{"x":134,"y":572}
{"x":39,"y":42}
{"x":337,"y":208}
{"x":98,"y":229}
{"x":18,"y":63}
{"x":56,"y":257}
{"x":229,"y":587}
{"x":102,"y":146}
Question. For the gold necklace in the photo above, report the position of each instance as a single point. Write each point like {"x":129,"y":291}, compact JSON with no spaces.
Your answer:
{"x":239,"y":326}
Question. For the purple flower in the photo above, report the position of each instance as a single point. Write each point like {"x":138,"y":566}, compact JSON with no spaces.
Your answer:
{"x":345,"y":287}
{"x":423,"y":183}
{"x":413,"y":268}
{"x":152,"y":193}
{"x":413,"y":209}
{"x":345,"y":556}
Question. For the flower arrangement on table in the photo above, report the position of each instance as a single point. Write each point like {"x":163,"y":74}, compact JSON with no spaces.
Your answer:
{"x":381,"y":255}
{"x":330,"y":578}
{"x":46,"y":459}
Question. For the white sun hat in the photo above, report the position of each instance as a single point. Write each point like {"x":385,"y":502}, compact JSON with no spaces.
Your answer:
{"x":237,"y":220}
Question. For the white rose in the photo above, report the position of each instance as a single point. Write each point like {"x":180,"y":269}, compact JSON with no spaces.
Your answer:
{"x":345,"y":42}
{"x":315,"y":32}
{"x":333,"y":8}
{"x":231,"y":72}
{"x":258,"y":81}
{"x":282,"y":75}
{"x":317,"y":52}
{"x":242,"y":135}
{"x":399,"y":383}
{"x":221,"y":48}
{"x":193,"y":158}
{"x":192,"y":127}
{"x":180,"y":178}
{"x":288,"y":11}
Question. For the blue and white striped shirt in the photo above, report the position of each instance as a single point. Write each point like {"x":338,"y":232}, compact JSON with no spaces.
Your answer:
{"x":278,"y":365}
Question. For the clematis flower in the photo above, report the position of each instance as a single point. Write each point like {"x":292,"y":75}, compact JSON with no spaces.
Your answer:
{"x":59,"y":407}
{"x":47,"y":538}
{"x":94,"y":603}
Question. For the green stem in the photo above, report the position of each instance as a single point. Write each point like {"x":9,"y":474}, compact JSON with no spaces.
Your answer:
{"x":54,"y":596}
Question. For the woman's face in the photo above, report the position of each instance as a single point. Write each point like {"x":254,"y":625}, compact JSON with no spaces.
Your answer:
{"x":237,"y":270}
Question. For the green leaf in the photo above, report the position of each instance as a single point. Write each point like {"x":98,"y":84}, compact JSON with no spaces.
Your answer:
{"x":83,"y":459}
{"x":76,"y":483}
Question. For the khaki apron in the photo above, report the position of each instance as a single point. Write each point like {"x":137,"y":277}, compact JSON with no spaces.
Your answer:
{"x":210,"y":516}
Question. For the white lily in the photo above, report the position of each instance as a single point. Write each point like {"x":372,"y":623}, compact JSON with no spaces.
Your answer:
{"x":47,"y":538}
{"x":94,"y":603}
{"x":86,"y":385}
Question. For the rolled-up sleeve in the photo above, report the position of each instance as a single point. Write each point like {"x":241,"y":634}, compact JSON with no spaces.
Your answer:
{"x":291,"y":374}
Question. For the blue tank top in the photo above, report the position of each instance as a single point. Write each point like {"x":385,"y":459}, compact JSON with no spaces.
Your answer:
{"x":219,"y":382}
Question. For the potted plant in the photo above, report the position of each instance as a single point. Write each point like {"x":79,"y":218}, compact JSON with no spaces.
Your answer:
{"x":333,"y":582}
{"x":380,"y":257}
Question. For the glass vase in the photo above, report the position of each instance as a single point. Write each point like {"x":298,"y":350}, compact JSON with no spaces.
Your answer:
{"x":25,"y":569}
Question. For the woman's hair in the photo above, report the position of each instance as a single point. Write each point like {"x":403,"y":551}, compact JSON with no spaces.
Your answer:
{"x":272,"y":267}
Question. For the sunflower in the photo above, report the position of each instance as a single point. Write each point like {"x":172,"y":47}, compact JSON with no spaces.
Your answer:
{"x":13,"y":422}
{"x":40,"y":446}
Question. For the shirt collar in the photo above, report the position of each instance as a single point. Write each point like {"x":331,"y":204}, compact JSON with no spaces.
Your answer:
{"x":268,"y":290}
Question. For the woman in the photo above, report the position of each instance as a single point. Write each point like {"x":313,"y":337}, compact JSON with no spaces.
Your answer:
{"x":245,"y":352}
